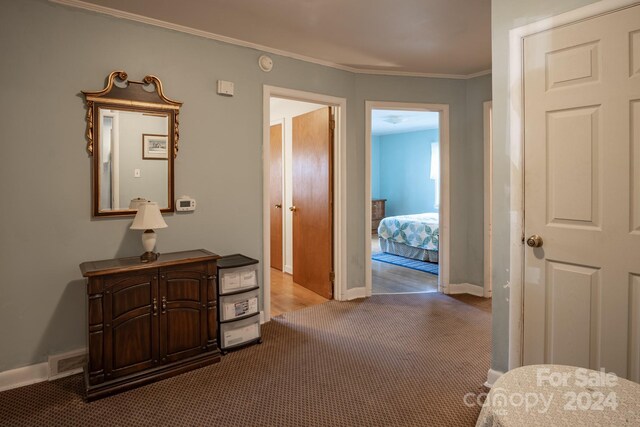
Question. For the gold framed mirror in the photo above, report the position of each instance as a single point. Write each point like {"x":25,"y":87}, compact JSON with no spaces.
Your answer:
{"x":132,"y":135}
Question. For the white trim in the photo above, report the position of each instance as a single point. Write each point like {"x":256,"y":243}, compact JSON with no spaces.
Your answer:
{"x":339,"y":188}
{"x":212,"y":36}
{"x":26,"y":375}
{"x":406,"y":293}
{"x":355,"y":293}
{"x":407,"y":73}
{"x":444,"y":248}
{"x":39,"y":372}
{"x":466,"y":288}
{"x":479,"y":74}
{"x":66,"y":374}
{"x":492,"y":377}
{"x":516,"y":143}
{"x":488,"y":196}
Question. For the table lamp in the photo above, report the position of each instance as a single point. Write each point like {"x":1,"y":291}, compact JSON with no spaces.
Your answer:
{"x":137,"y":202}
{"x":148,"y":218}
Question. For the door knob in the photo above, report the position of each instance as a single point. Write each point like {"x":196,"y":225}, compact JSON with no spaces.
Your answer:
{"x":534,"y":241}
{"x":278,"y":206}
{"x":293,"y":208}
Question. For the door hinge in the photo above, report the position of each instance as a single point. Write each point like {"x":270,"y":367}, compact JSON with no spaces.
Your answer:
{"x":332,"y":124}
{"x":332,"y":276}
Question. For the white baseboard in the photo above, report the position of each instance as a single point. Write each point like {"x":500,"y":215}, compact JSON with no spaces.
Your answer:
{"x":492,"y":377}
{"x":355,"y":293}
{"x":466,"y":288}
{"x":287,"y":269}
{"x":27,"y":375}
{"x":45,"y":371}
{"x":65,"y":374}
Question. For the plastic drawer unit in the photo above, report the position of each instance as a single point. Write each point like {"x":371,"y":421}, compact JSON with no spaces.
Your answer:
{"x":238,"y":310}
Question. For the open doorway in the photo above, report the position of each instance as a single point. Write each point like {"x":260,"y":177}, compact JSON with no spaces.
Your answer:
{"x":300,"y":192}
{"x":407,"y":235}
{"x":303,"y":209}
{"x":405,"y":191}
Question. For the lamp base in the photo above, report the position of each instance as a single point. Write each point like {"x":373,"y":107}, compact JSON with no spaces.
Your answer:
{"x":149,"y":256}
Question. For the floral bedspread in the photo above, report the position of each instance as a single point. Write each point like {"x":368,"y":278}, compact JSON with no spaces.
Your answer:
{"x":419,"y":230}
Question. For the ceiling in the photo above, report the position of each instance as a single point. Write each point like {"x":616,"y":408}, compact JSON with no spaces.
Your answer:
{"x":281,"y":108}
{"x":406,"y":37}
{"x":386,"y":122}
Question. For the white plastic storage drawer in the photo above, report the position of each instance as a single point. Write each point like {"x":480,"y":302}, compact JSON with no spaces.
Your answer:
{"x":238,"y":305}
{"x":239,"y":278}
{"x":240,"y":331}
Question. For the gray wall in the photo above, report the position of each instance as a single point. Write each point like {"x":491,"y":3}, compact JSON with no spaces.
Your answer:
{"x":478,"y":91}
{"x":505,"y":15}
{"x":50,"y":53}
{"x":375,"y":166}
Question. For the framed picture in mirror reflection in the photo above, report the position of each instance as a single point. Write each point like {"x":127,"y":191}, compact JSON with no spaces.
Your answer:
{"x":155,"y":147}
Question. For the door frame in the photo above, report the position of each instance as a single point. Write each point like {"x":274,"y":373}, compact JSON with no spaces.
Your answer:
{"x":515,"y":99}
{"x":444,"y":210}
{"x":339,"y":189}
{"x":115,"y":155}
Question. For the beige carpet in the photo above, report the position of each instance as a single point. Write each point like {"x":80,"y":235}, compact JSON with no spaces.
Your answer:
{"x":396,"y":360}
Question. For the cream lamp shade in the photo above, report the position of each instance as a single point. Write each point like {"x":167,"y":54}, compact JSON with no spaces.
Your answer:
{"x":148,"y":218}
{"x":135,"y":203}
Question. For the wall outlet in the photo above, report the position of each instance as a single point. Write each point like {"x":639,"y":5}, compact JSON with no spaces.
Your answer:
{"x":136,"y":173}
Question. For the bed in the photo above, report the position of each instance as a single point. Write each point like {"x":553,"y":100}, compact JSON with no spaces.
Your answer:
{"x":411,"y":236}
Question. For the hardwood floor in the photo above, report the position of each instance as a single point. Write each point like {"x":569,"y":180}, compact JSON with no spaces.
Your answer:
{"x":289,"y":296}
{"x":392,"y":279}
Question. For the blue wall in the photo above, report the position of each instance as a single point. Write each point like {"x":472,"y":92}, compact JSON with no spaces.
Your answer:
{"x":400,"y":170}
{"x":375,"y":167}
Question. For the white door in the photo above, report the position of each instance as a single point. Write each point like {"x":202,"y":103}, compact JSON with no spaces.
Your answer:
{"x":582,"y":194}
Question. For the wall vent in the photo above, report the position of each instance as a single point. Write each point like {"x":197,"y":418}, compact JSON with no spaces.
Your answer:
{"x":63,"y":365}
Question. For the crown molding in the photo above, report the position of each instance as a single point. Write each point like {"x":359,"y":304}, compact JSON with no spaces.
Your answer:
{"x":478,"y":74}
{"x":79,"y":4}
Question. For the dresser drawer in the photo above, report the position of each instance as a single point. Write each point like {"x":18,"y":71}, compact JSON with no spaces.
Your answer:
{"x":377,"y":213}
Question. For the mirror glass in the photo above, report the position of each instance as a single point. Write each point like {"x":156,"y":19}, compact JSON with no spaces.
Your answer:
{"x":133,"y":156}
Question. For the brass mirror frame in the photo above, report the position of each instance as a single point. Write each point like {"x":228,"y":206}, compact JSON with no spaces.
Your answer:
{"x":131,"y":97}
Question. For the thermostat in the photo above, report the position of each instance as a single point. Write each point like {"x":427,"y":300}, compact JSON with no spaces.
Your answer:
{"x":185,"y":203}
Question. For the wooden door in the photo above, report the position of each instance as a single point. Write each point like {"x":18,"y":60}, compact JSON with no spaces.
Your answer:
{"x":131,"y":324}
{"x":275,"y":194}
{"x":183,"y":313}
{"x":582,"y":194}
{"x":312,"y":196}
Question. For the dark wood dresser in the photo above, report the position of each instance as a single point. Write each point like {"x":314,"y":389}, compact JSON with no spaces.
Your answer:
{"x":377,"y":213}
{"x":148,"y":321}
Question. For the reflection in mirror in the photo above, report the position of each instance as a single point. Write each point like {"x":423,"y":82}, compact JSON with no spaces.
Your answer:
{"x":132,"y":158}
